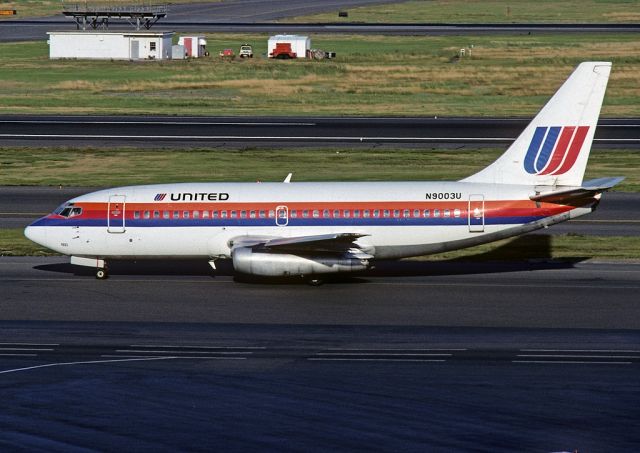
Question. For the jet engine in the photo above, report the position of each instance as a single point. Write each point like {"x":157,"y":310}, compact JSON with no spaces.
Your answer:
{"x":270,"y":264}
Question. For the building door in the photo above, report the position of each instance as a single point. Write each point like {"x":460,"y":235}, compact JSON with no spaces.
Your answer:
{"x":116,"y":214}
{"x":135,"y":50}
{"x":282,"y":216}
{"x":476,"y":213}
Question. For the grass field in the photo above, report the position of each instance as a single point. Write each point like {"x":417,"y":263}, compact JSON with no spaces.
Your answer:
{"x":372,"y":75}
{"x":490,"y":11}
{"x":113,"y":167}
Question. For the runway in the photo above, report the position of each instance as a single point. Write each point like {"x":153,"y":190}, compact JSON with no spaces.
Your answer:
{"x":446,"y":358}
{"x":159,"y":131}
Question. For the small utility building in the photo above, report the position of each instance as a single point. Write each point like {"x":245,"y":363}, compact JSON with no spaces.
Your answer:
{"x":134,"y":45}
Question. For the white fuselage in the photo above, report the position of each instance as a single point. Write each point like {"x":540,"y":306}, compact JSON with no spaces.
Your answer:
{"x":202,"y":220}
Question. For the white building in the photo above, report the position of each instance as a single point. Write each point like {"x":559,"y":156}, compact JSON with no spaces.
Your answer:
{"x":299,"y":44}
{"x":194,"y":46}
{"x":136,"y":45}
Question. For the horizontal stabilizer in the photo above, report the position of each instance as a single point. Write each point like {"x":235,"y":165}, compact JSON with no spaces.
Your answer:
{"x":588,"y":189}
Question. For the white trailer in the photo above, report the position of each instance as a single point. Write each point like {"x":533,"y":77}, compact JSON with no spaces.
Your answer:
{"x":299,"y":44}
{"x":103,"y":45}
{"x":195,"y":46}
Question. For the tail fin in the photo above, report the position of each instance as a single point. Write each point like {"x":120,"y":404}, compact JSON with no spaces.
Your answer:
{"x":555,"y":146}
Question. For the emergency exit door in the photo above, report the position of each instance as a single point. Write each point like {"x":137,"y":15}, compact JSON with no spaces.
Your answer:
{"x":116,"y":214}
{"x":476,"y":213}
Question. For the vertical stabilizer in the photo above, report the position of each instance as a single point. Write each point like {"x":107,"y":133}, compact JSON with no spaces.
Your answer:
{"x":555,"y":146}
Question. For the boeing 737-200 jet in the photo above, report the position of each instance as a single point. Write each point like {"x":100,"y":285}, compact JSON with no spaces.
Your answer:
{"x":311,"y":229}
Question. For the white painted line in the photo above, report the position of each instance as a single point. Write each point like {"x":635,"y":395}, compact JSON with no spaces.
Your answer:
{"x":194,"y":347}
{"x":29,"y":344}
{"x":396,"y":349}
{"x":329,"y":359}
{"x":611,"y":351}
{"x":181,"y":357}
{"x":90,"y":362}
{"x":572,"y":362}
{"x":27,"y":349}
{"x":156,"y":351}
{"x":383,"y":354}
{"x":18,"y":355}
{"x":581,"y":356}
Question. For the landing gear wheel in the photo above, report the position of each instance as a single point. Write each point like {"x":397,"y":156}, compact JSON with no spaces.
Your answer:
{"x":315,"y":281}
{"x":101,"y":274}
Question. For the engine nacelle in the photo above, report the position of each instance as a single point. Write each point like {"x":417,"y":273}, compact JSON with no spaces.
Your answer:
{"x":269,"y":264}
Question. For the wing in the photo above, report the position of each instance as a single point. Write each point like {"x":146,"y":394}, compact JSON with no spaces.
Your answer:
{"x":338,"y":243}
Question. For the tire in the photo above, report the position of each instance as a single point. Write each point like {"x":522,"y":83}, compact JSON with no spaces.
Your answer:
{"x":101,"y":274}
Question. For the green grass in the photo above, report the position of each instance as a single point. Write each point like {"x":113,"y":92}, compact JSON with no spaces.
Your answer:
{"x":372,"y":75}
{"x":488,"y":11}
{"x":114,"y":167}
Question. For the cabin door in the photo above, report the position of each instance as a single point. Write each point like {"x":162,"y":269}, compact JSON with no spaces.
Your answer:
{"x":476,"y":213}
{"x":282,"y":216}
{"x":116,"y":214}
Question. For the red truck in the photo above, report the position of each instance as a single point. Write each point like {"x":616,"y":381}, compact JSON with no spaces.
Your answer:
{"x":283,"y":50}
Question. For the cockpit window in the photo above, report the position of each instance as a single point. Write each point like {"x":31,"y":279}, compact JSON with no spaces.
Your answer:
{"x":68,"y":211}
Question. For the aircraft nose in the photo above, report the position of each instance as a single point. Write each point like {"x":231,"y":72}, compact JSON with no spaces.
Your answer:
{"x":36,"y":234}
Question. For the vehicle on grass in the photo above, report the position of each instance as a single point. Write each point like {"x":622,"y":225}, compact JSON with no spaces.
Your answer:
{"x":283,"y":51}
{"x":227,"y":54}
{"x":313,"y":229}
{"x":246,"y":51}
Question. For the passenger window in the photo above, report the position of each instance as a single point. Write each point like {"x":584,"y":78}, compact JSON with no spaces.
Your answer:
{"x":234,"y":214}
{"x":243,"y":214}
{"x":325,"y":213}
{"x":376,"y":213}
{"x":436,"y":212}
{"x":272,"y":214}
{"x":205,"y":214}
{"x":214,"y":214}
{"x":386,"y":213}
{"x":347,"y":213}
{"x":185,"y":214}
{"x":165,"y":214}
{"x":252,"y":214}
{"x":356,"y":213}
{"x":447,"y":213}
{"x":147,"y":214}
{"x":176,"y":214}
{"x":293,"y":214}
{"x":263,"y":214}
{"x":316,"y":213}
{"x":136,"y":214}
{"x":426,"y":213}
{"x":305,"y":213}
{"x":456,"y":212}
{"x":196,"y":214}
{"x":396,"y":213}
{"x":365,"y":213}
{"x":416,"y":213}
{"x":406,"y":213}
{"x":336,"y":213}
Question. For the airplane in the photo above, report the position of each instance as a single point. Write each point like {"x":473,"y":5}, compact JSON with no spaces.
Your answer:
{"x":311,"y":229}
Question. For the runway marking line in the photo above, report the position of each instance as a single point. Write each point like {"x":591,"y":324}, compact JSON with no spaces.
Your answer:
{"x":88,"y":362}
{"x":26,"y":349}
{"x":399,"y":354}
{"x":578,"y":362}
{"x":612,"y":351}
{"x":18,"y":355}
{"x":580,"y":356}
{"x":195,"y":347}
{"x":396,"y":349}
{"x":29,"y":344}
{"x":181,"y":357}
{"x":330,"y":359}
{"x":184,"y":352}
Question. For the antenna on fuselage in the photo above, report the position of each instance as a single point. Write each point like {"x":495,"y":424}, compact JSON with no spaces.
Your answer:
{"x":287,"y":180}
